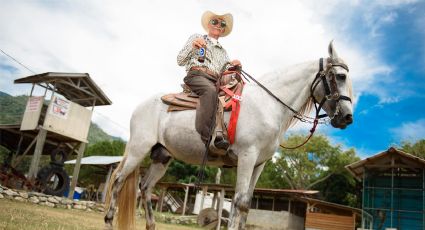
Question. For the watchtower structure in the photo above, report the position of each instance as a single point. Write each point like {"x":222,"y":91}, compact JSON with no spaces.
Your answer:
{"x":62,"y":120}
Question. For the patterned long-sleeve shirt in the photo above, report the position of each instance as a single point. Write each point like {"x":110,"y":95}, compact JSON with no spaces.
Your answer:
{"x":216,"y":58}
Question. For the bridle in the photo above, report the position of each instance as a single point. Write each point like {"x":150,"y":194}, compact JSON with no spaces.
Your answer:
{"x":331,"y":90}
{"x":331,"y":93}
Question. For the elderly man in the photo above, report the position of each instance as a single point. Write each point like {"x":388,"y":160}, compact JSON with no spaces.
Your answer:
{"x":204,"y":69}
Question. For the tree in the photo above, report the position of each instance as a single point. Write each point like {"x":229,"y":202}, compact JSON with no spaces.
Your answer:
{"x":272,"y":177}
{"x":106,"y":148}
{"x":181,"y":172}
{"x":417,"y":148}
{"x":316,"y":165}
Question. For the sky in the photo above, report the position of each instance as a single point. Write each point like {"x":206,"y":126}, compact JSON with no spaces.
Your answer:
{"x":129,"y":48}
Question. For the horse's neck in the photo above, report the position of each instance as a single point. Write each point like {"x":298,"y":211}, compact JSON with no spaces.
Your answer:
{"x":292,"y":84}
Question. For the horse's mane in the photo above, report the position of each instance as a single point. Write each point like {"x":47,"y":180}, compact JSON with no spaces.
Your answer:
{"x":304,"y":110}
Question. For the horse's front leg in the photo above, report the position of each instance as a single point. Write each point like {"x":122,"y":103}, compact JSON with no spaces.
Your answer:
{"x":242,"y":199}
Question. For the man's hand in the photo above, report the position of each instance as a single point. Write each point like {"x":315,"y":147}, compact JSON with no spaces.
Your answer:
{"x":198,"y":43}
{"x":236,"y":63}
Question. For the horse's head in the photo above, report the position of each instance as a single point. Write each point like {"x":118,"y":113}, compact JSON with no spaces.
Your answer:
{"x":332,"y":90}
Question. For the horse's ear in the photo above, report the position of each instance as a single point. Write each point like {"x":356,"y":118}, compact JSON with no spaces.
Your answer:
{"x":331,"y":50}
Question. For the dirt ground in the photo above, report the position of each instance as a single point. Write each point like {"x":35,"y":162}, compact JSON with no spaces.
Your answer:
{"x":21,"y":216}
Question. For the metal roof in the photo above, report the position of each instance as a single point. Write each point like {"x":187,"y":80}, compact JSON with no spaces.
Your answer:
{"x":231,"y":188}
{"x":391,"y":158}
{"x":97,"y":160}
{"x":76,"y":87}
{"x":330,"y":204}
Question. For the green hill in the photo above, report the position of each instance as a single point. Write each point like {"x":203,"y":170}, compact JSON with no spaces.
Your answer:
{"x":12,"y":108}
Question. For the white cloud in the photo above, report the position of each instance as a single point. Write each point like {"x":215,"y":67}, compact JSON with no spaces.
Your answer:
{"x":395,"y":3}
{"x":130,"y":48}
{"x":410,"y":131}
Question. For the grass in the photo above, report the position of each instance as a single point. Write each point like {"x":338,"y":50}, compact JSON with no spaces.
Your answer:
{"x":20,"y":216}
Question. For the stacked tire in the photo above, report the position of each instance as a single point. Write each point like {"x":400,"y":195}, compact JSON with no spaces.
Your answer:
{"x":53,"y":179}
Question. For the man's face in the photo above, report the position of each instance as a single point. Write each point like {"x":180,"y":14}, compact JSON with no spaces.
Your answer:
{"x":216,"y":27}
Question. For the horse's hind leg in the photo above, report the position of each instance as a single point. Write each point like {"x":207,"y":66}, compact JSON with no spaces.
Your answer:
{"x":160,"y":161}
{"x":122,"y":188}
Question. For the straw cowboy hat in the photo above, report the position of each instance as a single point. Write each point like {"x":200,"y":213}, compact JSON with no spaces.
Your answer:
{"x":208,"y":15}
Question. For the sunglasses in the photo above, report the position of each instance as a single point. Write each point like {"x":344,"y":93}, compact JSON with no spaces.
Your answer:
{"x":216,"y":22}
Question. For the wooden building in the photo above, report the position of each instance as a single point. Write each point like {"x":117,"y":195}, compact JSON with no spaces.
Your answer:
{"x":276,"y":208}
{"x":57,"y":119}
{"x":393,"y":190}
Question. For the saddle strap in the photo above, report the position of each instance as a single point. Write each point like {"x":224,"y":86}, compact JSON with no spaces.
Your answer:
{"x":234,"y":103}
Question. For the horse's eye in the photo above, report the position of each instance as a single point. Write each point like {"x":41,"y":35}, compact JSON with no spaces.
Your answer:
{"x":341,"y":77}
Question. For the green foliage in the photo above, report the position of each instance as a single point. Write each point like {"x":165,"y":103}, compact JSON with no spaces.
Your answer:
{"x":312,"y":162}
{"x":106,"y":148}
{"x":417,"y":148}
{"x":96,"y":134}
{"x":180,"y":172}
{"x":340,"y":188}
{"x":272,"y":177}
{"x":228,"y":176}
{"x":12,"y":108}
{"x":316,"y":165}
{"x":3,"y":154}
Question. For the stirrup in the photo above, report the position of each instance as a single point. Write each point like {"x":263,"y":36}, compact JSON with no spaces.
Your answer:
{"x":218,"y":147}
{"x":221,"y":143}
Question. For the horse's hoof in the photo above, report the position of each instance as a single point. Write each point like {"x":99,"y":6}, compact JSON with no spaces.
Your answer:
{"x":108,"y":226}
{"x":150,"y":227}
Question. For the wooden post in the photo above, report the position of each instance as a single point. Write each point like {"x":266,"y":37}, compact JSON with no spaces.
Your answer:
{"x":41,"y":138}
{"x":18,"y":159}
{"x":18,"y":150}
{"x":77,"y":166}
{"x":289,"y":206}
{"x":186,"y":194}
{"x":273,"y":203}
{"x":220,"y":209}
{"x":214,"y":201}
{"x":204,"y":192}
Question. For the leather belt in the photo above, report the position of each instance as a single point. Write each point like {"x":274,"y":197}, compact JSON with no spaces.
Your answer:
{"x":205,"y":70}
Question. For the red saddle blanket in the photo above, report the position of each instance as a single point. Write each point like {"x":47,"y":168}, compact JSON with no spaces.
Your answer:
{"x":230,"y":95}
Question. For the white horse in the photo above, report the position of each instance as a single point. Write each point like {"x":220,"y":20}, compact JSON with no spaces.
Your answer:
{"x":261,"y":126}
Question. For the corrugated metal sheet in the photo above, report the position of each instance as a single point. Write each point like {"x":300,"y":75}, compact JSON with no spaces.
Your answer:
{"x":97,"y":160}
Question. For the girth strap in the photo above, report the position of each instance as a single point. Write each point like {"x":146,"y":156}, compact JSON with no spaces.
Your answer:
{"x":234,"y":103}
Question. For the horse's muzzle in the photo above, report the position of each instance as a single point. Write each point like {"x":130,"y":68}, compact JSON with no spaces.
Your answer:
{"x":342,"y":121}
{"x":348,"y":119}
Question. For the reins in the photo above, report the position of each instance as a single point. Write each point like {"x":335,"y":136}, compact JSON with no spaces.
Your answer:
{"x":321,"y":75}
{"x":331,"y":93}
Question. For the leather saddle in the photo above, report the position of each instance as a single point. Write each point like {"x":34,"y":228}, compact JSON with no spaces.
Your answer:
{"x":229,"y":83}
{"x":188,"y":100}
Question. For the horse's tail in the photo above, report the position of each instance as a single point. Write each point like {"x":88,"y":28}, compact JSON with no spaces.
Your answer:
{"x":126,"y":200}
